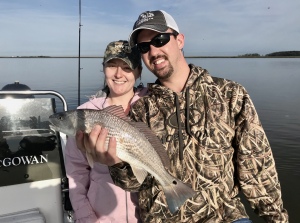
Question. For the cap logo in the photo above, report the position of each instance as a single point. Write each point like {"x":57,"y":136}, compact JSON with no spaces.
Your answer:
{"x":123,"y":47}
{"x":144,"y":17}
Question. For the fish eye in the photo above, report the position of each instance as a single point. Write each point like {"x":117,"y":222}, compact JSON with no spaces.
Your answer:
{"x":174,"y":182}
{"x":60,"y":117}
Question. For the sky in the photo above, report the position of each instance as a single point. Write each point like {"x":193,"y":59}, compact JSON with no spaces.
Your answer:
{"x":210,"y":27}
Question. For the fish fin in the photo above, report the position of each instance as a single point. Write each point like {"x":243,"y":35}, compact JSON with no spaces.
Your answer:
{"x":117,"y":110}
{"x":155,"y":142}
{"x":140,"y":174}
{"x":176,"y":194}
{"x":89,"y":159}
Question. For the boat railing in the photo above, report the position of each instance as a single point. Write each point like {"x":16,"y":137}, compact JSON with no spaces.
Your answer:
{"x":38,"y":92}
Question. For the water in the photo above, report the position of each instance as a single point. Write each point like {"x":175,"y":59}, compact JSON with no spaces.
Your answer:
{"x":271,"y":82}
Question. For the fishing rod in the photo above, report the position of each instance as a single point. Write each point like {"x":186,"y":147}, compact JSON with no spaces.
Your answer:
{"x":79,"y":68}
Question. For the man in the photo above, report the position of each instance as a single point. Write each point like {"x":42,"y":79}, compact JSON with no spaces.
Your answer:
{"x":210,"y":130}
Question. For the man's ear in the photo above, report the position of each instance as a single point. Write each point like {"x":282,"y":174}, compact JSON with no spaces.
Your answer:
{"x":180,"y":41}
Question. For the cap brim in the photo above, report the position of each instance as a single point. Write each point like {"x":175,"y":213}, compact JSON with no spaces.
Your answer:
{"x":126,"y":60}
{"x":154,"y":27}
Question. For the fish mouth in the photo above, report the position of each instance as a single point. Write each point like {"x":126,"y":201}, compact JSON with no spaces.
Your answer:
{"x":53,"y":127}
{"x":62,"y":130}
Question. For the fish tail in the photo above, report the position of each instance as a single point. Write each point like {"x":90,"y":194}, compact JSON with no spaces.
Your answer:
{"x":176,"y":194}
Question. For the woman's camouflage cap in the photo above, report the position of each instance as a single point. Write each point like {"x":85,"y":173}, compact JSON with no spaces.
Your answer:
{"x":121,"y":50}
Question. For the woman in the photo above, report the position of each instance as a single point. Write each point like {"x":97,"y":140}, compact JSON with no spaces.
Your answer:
{"x":93,"y":195}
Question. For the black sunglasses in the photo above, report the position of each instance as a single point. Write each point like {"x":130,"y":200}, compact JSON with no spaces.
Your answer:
{"x":157,"y":41}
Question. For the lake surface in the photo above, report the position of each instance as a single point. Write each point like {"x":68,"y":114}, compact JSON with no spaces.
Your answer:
{"x":273,"y":84}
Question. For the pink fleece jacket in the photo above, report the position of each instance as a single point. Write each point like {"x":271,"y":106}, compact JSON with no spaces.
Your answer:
{"x":94,"y":197}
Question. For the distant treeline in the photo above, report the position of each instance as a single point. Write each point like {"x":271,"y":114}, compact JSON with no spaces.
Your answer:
{"x":284,"y":54}
{"x":275,"y":54}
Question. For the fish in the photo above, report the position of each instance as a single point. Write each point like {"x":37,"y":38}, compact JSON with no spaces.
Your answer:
{"x":136,"y":144}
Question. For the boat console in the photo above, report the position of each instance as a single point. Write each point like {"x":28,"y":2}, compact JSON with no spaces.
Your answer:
{"x":33,"y":186}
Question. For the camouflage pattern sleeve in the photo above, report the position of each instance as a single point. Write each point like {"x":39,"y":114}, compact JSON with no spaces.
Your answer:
{"x":122,"y":175}
{"x":255,"y":162}
{"x":124,"y":178}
